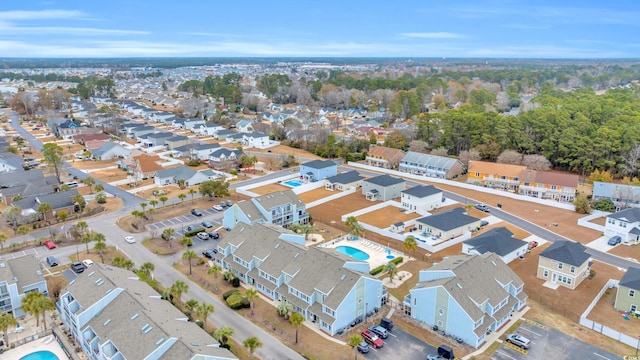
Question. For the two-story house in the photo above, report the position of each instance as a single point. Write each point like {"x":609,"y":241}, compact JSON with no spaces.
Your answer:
{"x":325,"y":286}
{"x":494,"y":175}
{"x":623,"y":196}
{"x":447,"y":224}
{"x":421,"y":198}
{"x":256,"y":140}
{"x":223,"y":158}
{"x":431,"y":165}
{"x":548,"y":185}
{"x":384,"y":157}
{"x":280,"y":208}
{"x":176,"y":141}
{"x":628,"y":288}
{"x":19,"y":276}
{"x":317,"y":170}
{"x":382,"y":188}
{"x":466,"y":296}
{"x":626,"y":224}
{"x":143,"y":166}
{"x":565,"y":263}
{"x":156,"y":139}
{"x":112,"y":314}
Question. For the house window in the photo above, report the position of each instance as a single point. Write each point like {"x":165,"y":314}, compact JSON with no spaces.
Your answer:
{"x":440,"y":324}
{"x":634,"y":308}
{"x":573,"y":269}
{"x":441,"y":311}
{"x":632,"y":293}
{"x":560,"y":265}
{"x":545,"y":273}
{"x":359,"y":301}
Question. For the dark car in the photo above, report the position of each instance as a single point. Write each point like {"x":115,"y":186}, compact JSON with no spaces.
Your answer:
{"x":196,"y":212}
{"x":207,"y":224}
{"x":380,"y":331}
{"x":484,"y":223}
{"x":363,"y":347}
{"x":77,"y":267}
{"x":209,"y":254}
{"x":52,"y":261}
{"x":615,"y":240}
{"x":482,"y":207}
{"x":386,"y":323}
{"x":214,"y":235}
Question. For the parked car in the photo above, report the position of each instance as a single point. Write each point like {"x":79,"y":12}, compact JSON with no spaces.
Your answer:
{"x":532,"y":244}
{"x":196,"y":212}
{"x":77,"y":267}
{"x":615,"y":240}
{"x":484,"y":223}
{"x":518,"y":340}
{"x":130,"y":239}
{"x":380,"y":331}
{"x":363,"y":347}
{"x":50,"y":244}
{"x":372,"y":338}
{"x":446,"y":352}
{"x":203,"y":236}
{"x":52,"y":261}
{"x":207,"y":224}
{"x":209,"y":254}
{"x":217,"y":208}
{"x":214,"y":235}
{"x":386,"y":323}
{"x":87,"y":262}
{"x":434,"y":357}
{"x":482,"y":207}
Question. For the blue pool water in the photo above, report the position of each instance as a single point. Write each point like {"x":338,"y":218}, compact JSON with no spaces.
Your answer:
{"x":293,"y":183}
{"x":40,"y":355}
{"x":353,"y":252}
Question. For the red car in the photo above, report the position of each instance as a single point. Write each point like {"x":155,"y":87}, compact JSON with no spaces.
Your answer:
{"x":49,"y":244}
{"x":373,"y":339}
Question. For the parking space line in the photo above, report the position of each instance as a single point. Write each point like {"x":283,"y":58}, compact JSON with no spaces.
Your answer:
{"x":531,"y":331}
{"x":391,"y":334}
{"x":505,"y":354}
{"x":516,"y":348}
{"x":598,"y":355}
{"x":536,"y":324}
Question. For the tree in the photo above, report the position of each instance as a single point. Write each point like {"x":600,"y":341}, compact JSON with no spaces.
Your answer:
{"x":189,"y":255}
{"x":215,"y":270}
{"x":182,"y":197}
{"x":296,"y":320}
{"x":191,"y":304}
{"x":153,"y":203}
{"x":123,"y":263}
{"x":100,"y":246}
{"x":11,"y":149}
{"x":176,"y":290}
{"x":215,"y":188}
{"x":7,"y":321}
{"x":251,"y":294}
{"x":354,"y":341}
{"x":82,"y":227}
{"x":510,"y":157}
{"x":202,"y":311}
{"x":36,"y":303}
{"x":53,"y":156}
{"x":604,"y":204}
{"x":99,"y":187}
{"x":410,"y":243}
{"x":62,"y":216}
{"x":143,"y":205}
{"x":252,"y":344}
{"x":582,"y":205}
{"x":101,"y":197}
{"x":186,"y":241}
{"x":3,"y":238}
{"x":224,"y":334}
{"x":391,"y":269}
{"x":86,"y":239}
{"x":22,"y":230}
{"x":285,"y":309}
{"x":192,"y":193}
{"x":44,"y":209}
{"x":163,"y":200}
{"x":13,"y":216}
{"x":89,"y":181}
{"x":80,"y":202}
{"x":147,"y":268}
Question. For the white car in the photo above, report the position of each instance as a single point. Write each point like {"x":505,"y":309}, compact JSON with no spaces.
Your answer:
{"x":130,"y":239}
{"x":217,"y":208}
{"x":87,"y":262}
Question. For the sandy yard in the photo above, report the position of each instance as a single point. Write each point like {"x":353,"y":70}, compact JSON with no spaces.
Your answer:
{"x":109,"y":175}
{"x":315,"y":194}
{"x":518,"y":233}
{"x":90,"y":164}
{"x":387,"y":216}
{"x":626,"y":252}
{"x":605,"y":313}
{"x":333,"y":210}
{"x":271,"y":188}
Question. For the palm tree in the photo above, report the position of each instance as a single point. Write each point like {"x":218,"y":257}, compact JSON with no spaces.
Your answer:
{"x":224,"y":334}
{"x":189,"y":255}
{"x":202,"y":312}
{"x":147,"y":268}
{"x":251,"y":295}
{"x":44,"y":209}
{"x":351,"y":220}
{"x":82,"y":227}
{"x":143,"y":205}
{"x":391,"y":269}
{"x":191,"y":305}
{"x":86,"y":239}
{"x":296,"y":320}
{"x":306,"y":229}
{"x":153,"y":203}
{"x":410,"y":243}
{"x":192,"y":192}
{"x":284,"y":309}
{"x":177,"y":289}
{"x":252,"y":344}
{"x":100,"y":246}
{"x":215,"y":270}
{"x":353,"y":343}
{"x":182,"y":197}
{"x":23,"y":230}
{"x":37,"y":303}
{"x":163,"y":200}
{"x":355,"y":229}
{"x":122,"y":262}
{"x":99,"y":187}
{"x":7,"y":321}
{"x":167,"y":234}
{"x":186,"y":241}
{"x":89,"y":181}
{"x":3,"y":238}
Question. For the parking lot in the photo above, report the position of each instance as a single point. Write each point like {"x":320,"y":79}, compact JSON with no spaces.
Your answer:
{"x":180,"y":223}
{"x":400,"y":345}
{"x":549,"y":343}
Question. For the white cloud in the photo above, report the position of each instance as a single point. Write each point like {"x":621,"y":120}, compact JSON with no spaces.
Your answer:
{"x":434,"y":35}
{"x":7,"y":28}
{"x":41,"y":14}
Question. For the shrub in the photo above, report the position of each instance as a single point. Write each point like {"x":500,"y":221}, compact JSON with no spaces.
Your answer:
{"x":376,"y":270}
{"x":233,"y":172}
{"x":194,"y":232}
{"x":235,"y":282}
{"x":194,"y":162}
{"x":397,"y":260}
{"x":226,"y":294}
{"x":234,"y":300}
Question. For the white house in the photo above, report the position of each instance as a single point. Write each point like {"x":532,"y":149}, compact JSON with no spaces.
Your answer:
{"x":626,"y":224}
{"x":110,"y":150}
{"x":177,"y":174}
{"x":499,"y":241}
{"x":421,"y":197}
{"x":209,"y":129}
{"x":448,"y":224}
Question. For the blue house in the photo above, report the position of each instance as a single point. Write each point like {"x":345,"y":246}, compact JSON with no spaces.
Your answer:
{"x":325,"y":286}
{"x":280,"y":208}
{"x":466,"y":296}
{"x":317,"y":170}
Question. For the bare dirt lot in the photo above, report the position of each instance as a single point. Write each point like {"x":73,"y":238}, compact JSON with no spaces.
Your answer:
{"x":90,"y":164}
{"x":333,"y":210}
{"x":109,"y":175}
{"x":316,"y":194}
{"x":605,"y":313}
{"x":387,"y":216}
{"x":268,"y":189}
{"x":626,"y":252}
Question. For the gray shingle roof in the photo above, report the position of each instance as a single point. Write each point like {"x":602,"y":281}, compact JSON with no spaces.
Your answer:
{"x":20,"y":177}
{"x":422,"y":191}
{"x":385,"y":180}
{"x":178,"y":173}
{"x":567,"y":252}
{"x":425,"y":160}
{"x":629,"y":215}
{"x":278,"y":198}
{"x":631,"y":279}
{"x":499,"y":241}
{"x":57,"y":200}
{"x":448,"y":220}
{"x":345,"y":177}
{"x":320,"y":164}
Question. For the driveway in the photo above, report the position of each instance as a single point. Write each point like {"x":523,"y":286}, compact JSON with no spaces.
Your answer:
{"x":549,"y":343}
{"x":400,"y":345}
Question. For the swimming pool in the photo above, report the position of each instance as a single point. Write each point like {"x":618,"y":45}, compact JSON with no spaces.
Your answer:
{"x":353,"y":252}
{"x":293,"y":183}
{"x":41,"y":355}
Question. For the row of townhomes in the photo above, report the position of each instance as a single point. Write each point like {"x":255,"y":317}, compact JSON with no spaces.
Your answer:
{"x":326,"y":286}
{"x":279,"y":208}
{"x":19,"y":276}
{"x":623,"y":196}
{"x":518,"y":179}
{"x":114,"y":315}
{"x":414,"y":162}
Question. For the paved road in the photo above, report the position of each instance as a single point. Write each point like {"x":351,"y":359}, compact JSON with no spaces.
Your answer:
{"x":527,"y":226}
{"x":128,"y":198}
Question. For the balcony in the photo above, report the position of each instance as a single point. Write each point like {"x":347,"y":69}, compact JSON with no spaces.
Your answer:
{"x":499,"y":180}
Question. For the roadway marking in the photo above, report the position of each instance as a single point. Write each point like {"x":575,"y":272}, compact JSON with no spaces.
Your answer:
{"x":516,"y":348}
{"x":505,"y":354}
{"x":604,"y":357}
{"x":391,"y":334}
{"x":536,"y":324}
{"x":531,"y":331}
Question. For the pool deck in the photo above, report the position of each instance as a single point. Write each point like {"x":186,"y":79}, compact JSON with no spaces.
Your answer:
{"x":34,"y":346}
{"x":377,"y":253}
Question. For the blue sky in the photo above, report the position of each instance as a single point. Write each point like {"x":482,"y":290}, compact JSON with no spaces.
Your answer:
{"x":347,"y":28}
